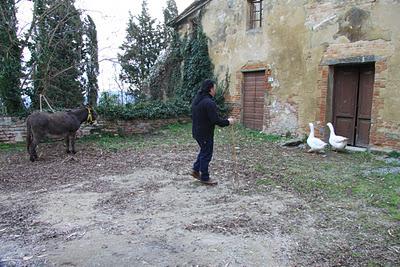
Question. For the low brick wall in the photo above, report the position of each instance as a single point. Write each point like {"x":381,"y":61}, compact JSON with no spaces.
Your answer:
{"x":13,"y":130}
{"x":132,"y":126}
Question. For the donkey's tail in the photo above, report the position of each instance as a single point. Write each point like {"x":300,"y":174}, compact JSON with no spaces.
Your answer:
{"x":28,"y":134}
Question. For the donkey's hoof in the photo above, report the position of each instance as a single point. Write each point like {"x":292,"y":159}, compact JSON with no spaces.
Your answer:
{"x":68,"y":152}
{"x":32,"y":158}
{"x":73,"y":152}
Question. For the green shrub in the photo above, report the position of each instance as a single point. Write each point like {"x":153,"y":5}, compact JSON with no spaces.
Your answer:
{"x":394,"y":154}
{"x":144,"y":110}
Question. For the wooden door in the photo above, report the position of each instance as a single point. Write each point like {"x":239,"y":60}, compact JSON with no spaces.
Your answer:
{"x":253,"y":99}
{"x":352,"y":102}
{"x":345,"y":100}
{"x":367,"y":77}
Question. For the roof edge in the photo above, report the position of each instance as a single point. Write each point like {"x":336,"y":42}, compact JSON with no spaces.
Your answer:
{"x":196,"y":5}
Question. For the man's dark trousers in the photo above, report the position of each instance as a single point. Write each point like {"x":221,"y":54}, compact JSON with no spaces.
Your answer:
{"x":204,"y":158}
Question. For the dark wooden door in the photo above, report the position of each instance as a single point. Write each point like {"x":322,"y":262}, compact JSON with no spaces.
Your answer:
{"x":253,"y":99}
{"x":352,"y":102}
{"x":367,"y":77}
{"x":345,"y":100}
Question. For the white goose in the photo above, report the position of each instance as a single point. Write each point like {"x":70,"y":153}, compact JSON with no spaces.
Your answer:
{"x":337,"y":142}
{"x":315,"y":144}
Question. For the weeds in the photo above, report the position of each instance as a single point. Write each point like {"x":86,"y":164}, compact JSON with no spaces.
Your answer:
{"x":394,"y":154}
{"x":12,"y":147}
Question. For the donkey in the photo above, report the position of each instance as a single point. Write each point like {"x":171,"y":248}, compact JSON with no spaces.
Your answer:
{"x":59,"y":124}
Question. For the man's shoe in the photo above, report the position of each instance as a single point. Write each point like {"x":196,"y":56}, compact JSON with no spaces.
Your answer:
{"x":195,"y":174}
{"x":209,"y":182}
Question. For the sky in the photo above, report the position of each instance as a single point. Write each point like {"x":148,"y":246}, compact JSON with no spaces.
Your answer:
{"x":111,"y":18}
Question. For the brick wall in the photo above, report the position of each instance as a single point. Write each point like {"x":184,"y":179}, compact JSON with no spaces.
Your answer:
{"x":13,"y":130}
{"x":383,"y":133}
{"x":321,"y":115}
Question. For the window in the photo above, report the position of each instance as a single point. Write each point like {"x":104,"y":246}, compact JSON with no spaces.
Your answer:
{"x":256,"y":9}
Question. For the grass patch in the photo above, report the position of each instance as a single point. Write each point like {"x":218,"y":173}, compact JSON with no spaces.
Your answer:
{"x":259,"y":167}
{"x":239,"y":134}
{"x":173,"y":134}
{"x":176,"y":134}
{"x":13,"y":147}
{"x":265,"y":182}
{"x":381,"y":191}
{"x":347,"y":177}
{"x":108,"y":141}
{"x":256,"y":136}
{"x":178,"y":129}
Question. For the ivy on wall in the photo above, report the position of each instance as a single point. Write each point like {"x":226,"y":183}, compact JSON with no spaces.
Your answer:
{"x":197,"y":65}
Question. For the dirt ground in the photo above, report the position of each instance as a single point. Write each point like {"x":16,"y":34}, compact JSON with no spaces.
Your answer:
{"x":139,"y":207}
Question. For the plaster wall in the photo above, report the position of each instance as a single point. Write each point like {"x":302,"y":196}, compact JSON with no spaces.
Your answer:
{"x":297,"y":39}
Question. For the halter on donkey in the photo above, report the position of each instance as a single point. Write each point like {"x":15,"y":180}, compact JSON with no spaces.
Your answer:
{"x":59,"y":124}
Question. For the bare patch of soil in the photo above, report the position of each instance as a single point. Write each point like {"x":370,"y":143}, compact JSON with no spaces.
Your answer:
{"x":137,"y":207}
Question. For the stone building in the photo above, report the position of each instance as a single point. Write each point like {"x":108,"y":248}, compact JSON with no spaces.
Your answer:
{"x":295,"y":62}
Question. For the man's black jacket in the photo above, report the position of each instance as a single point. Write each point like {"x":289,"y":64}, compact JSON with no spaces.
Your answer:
{"x":205,"y":117}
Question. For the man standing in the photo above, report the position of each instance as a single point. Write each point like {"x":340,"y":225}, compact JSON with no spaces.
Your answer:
{"x":205,"y":117}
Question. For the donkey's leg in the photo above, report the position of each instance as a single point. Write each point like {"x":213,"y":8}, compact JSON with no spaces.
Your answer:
{"x":32,"y":149}
{"x":67,"y":139}
{"x":35,"y":144}
{"x":72,"y":139}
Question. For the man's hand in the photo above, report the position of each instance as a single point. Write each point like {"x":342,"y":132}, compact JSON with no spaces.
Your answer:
{"x":231,"y":120}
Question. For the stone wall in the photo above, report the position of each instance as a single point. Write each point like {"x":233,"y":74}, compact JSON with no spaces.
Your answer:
{"x":13,"y":130}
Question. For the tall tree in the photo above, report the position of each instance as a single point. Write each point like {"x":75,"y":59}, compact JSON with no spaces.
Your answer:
{"x":10,"y":59}
{"x":140,"y":50}
{"x":170,"y":12}
{"x":91,"y":61}
{"x":165,"y":75}
{"x":56,"y":50}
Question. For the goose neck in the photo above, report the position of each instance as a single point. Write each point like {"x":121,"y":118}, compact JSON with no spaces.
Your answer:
{"x":311,"y":130}
{"x":331,"y":129}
